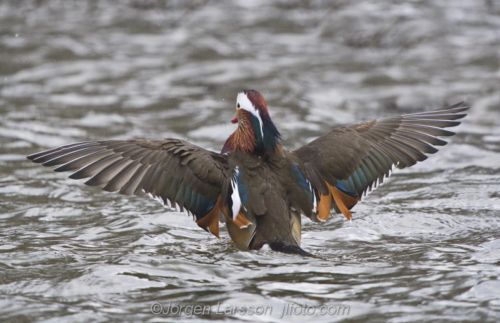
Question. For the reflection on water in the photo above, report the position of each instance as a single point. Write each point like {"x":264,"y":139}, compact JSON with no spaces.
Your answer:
{"x":424,"y":247}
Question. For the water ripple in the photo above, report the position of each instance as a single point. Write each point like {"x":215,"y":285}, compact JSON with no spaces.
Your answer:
{"x":422,"y":247}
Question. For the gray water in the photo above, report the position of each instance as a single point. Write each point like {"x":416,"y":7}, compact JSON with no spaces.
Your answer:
{"x":423,"y":247}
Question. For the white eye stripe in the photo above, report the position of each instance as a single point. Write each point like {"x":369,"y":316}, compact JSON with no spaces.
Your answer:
{"x":244,"y":103}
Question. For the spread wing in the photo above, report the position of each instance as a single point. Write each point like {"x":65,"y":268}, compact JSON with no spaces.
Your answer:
{"x":173,"y":171}
{"x":347,"y":162}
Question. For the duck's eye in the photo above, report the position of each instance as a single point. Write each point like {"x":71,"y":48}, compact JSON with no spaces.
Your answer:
{"x":238,"y":105}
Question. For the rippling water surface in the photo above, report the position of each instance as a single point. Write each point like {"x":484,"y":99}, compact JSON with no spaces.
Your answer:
{"x":423,"y":247}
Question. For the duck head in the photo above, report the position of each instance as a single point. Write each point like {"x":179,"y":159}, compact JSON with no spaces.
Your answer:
{"x":256,"y":132}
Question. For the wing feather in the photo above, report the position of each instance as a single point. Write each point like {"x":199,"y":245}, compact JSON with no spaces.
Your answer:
{"x":171,"y":170}
{"x":356,"y":158}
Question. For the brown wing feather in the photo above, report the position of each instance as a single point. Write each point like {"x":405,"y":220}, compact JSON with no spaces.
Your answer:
{"x":173,"y":170}
{"x":356,"y":158}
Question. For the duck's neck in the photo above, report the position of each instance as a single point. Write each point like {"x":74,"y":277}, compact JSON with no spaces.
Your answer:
{"x":251,"y":137}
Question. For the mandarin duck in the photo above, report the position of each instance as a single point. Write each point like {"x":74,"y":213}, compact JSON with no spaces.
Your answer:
{"x":256,"y":187}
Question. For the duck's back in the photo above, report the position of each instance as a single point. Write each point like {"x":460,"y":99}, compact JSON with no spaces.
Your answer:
{"x":273,"y":192}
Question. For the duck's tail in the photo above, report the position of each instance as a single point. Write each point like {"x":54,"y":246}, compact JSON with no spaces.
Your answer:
{"x":282,"y":247}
